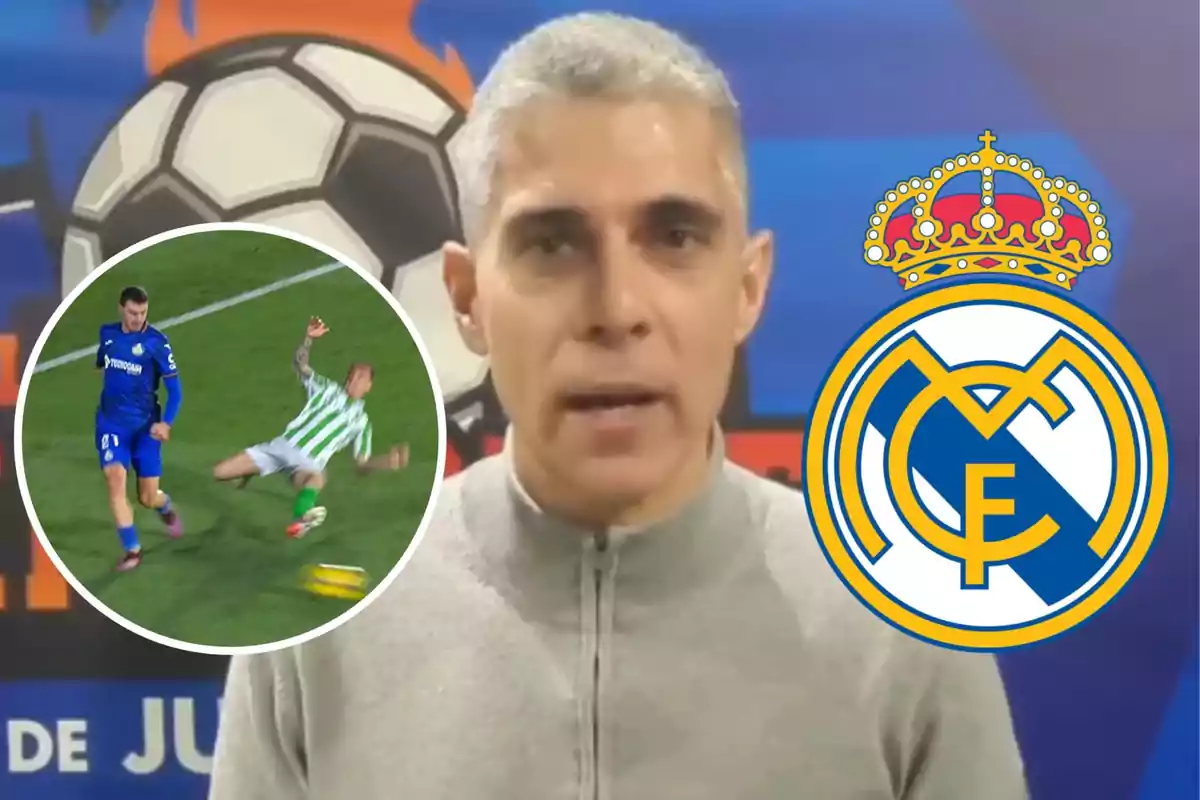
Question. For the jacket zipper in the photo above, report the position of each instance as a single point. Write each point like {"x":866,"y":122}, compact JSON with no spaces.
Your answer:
{"x":601,"y":547}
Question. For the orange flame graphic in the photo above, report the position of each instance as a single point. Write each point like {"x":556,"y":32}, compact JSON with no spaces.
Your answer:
{"x":382,"y":25}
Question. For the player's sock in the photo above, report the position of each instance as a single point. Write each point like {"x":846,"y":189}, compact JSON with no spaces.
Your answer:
{"x":167,"y":513}
{"x":129,"y":538}
{"x":304,"y":502}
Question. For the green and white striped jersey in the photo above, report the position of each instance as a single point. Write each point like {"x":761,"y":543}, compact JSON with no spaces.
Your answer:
{"x":330,"y":421}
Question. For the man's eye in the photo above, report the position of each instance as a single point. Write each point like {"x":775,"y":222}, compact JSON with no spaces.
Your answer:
{"x":681,"y":238}
{"x":549,"y":246}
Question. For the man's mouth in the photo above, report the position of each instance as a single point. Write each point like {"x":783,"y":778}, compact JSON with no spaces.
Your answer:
{"x":611,"y":399}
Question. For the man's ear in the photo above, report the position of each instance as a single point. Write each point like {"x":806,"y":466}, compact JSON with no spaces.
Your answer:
{"x":458,"y":274}
{"x":757,"y":266}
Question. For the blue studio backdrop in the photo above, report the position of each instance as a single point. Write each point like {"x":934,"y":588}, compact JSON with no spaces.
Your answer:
{"x":841,"y":98}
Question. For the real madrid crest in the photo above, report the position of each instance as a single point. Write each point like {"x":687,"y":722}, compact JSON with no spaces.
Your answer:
{"x":986,"y":463}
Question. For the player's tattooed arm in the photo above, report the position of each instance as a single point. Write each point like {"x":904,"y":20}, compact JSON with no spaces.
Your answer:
{"x":300,"y":359}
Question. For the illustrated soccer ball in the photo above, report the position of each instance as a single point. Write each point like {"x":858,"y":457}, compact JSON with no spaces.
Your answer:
{"x":327,"y":140}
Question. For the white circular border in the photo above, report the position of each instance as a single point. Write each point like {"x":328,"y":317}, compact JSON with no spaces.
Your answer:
{"x":1137,"y":419}
{"x":19,"y":456}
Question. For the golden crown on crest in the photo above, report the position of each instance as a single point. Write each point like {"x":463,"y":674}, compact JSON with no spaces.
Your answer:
{"x":1051,"y":231}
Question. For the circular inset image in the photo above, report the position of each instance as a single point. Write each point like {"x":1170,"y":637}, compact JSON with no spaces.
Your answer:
{"x":229,"y":438}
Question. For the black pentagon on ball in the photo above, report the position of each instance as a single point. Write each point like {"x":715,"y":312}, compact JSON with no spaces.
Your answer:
{"x":394,"y":186}
{"x":163,"y":202}
{"x":240,"y":56}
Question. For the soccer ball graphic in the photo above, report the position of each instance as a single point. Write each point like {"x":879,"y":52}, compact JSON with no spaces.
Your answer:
{"x":316,"y":137}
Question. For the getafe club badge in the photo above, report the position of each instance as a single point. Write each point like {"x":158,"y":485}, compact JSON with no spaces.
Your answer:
{"x":138,"y":349}
{"x":987,"y":463}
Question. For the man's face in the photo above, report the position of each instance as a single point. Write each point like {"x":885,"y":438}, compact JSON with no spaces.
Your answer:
{"x":133,"y":315}
{"x":358,"y":382}
{"x":611,"y":286}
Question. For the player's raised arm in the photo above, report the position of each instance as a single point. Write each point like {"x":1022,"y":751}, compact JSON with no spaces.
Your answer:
{"x":315,"y":330}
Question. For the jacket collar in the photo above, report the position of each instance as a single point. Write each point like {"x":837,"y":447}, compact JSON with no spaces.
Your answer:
{"x":526,"y":546}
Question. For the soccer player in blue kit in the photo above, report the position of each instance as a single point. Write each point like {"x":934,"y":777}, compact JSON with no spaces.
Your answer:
{"x":130,"y":424}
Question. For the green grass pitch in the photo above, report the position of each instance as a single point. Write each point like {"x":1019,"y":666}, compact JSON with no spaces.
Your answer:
{"x":234,"y":578}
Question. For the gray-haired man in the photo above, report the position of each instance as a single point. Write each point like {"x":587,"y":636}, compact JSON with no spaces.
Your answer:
{"x":610,"y":609}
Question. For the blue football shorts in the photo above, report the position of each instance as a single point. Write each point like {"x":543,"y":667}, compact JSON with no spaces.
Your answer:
{"x":133,"y":449}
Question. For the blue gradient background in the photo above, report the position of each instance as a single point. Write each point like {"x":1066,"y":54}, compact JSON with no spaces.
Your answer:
{"x":841,"y":98}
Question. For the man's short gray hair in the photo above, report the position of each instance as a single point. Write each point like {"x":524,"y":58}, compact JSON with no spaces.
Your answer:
{"x":582,"y":55}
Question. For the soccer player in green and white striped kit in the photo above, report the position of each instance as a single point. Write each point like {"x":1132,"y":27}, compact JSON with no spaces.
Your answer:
{"x":333,"y":418}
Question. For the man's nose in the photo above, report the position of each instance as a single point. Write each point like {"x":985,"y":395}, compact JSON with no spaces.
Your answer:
{"x":619,"y":295}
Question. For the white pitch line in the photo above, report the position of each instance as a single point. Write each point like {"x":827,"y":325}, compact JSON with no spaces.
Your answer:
{"x":212,"y":308}
{"x":15,"y":206}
